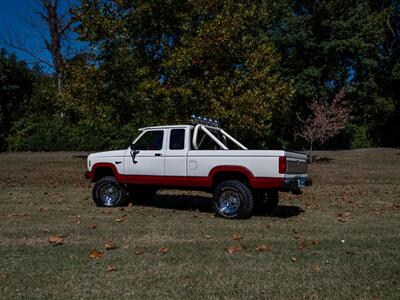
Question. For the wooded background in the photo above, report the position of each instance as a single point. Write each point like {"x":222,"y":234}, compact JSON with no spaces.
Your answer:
{"x":254,"y":65}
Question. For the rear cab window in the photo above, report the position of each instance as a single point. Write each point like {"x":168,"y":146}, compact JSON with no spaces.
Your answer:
{"x":177,"y":139}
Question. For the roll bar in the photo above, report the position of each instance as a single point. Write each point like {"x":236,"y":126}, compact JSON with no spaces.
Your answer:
{"x":206,"y":130}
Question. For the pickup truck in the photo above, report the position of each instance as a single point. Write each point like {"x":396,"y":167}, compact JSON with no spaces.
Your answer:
{"x":201,"y":156}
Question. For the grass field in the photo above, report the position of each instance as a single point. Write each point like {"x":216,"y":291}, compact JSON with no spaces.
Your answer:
{"x":340,"y":239}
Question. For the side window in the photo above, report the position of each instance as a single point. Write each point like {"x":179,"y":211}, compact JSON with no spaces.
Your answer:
{"x":177,"y":139}
{"x":151,"y":140}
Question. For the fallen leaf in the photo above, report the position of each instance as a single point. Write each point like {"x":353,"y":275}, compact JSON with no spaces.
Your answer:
{"x":233,"y":249}
{"x":109,"y":246}
{"x":139,"y":252}
{"x":349,"y":252}
{"x":111,"y":268}
{"x":96,"y":254}
{"x":56,"y":240}
{"x":302,"y":245}
{"x":163,"y":250}
{"x":16,"y":215}
{"x":262,"y":248}
{"x":293,"y":259}
{"x":93,"y":226}
{"x":207,"y":236}
{"x":43,"y":209}
{"x":316,"y":268}
{"x":315,"y":242}
{"x":119,"y":220}
{"x":236,"y":237}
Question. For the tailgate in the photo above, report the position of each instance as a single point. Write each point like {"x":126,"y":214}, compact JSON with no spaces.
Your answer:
{"x":296,"y":163}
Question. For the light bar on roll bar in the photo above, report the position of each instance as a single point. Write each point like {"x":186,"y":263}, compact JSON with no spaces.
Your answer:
{"x":196,"y":120}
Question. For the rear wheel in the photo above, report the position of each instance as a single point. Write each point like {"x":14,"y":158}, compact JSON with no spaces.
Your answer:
{"x":107,"y":192}
{"x":232,"y":199}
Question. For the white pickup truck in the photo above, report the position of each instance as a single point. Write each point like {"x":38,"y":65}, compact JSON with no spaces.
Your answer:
{"x":200,"y":156}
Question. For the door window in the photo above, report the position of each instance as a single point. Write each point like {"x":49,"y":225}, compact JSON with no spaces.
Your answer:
{"x":177,"y":139}
{"x":151,"y":140}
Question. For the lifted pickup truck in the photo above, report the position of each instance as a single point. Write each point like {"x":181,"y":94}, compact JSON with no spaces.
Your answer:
{"x":200,"y":156}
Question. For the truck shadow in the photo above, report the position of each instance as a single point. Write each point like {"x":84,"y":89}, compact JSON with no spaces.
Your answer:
{"x":203,"y":204}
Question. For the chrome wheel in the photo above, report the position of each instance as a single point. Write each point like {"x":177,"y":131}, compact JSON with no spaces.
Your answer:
{"x":109,"y":194}
{"x":228,"y":203}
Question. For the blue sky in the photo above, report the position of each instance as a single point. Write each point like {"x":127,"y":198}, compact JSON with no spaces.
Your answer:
{"x":12,"y":13}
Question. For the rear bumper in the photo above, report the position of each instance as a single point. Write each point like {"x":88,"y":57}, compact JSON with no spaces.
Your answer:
{"x":294,"y":184}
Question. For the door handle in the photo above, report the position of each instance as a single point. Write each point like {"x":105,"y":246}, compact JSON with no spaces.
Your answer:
{"x":157,"y":154}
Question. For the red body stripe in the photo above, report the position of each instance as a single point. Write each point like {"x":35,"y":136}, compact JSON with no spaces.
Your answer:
{"x":188,"y":181}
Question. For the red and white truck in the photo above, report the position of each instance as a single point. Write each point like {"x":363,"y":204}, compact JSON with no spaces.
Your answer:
{"x":201,"y":156}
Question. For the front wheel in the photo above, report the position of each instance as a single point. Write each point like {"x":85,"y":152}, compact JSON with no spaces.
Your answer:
{"x":107,"y":192}
{"x":232,"y":199}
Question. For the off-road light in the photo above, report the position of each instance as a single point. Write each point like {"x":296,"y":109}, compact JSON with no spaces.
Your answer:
{"x":195,"y":119}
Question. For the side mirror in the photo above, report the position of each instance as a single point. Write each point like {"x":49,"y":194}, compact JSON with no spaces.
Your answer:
{"x":132,"y":146}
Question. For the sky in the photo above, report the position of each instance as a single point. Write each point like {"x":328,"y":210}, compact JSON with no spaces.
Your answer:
{"x":12,"y":14}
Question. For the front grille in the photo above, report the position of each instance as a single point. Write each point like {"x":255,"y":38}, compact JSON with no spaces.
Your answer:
{"x":296,"y":167}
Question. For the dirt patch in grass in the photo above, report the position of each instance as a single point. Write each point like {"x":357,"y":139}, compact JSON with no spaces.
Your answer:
{"x":340,"y":239}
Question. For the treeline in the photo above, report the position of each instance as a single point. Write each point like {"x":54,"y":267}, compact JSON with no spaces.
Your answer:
{"x":254,"y":65}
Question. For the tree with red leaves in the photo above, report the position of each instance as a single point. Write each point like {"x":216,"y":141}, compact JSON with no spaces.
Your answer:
{"x":326,"y":120}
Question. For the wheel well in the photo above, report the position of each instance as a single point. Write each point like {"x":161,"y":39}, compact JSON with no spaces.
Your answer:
{"x":102,"y":172}
{"x":231,"y":175}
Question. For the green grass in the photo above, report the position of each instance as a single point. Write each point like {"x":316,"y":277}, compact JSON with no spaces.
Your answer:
{"x":355,"y":198}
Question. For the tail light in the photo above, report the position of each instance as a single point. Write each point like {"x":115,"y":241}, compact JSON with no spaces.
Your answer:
{"x":282,"y":165}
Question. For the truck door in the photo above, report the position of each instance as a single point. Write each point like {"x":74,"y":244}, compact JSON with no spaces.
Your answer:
{"x":176,"y":156}
{"x":150,"y":157}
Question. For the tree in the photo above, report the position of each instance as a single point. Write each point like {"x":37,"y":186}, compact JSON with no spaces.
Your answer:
{"x":328,"y":45}
{"x":326,"y":120}
{"x":16,"y":82}
{"x":165,"y":60}
{"x":53,"y":24}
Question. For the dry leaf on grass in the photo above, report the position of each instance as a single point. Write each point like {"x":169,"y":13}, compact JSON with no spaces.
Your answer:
{"x":293,"y":259}
{"x":109,"y":246}
{"x":316,"y":268}
{"x":315,"y":242}
{"x":16,"y":215}
{"x":236,"y":237}
{"x":163,"y":250}
{"x":301,"y":246}
{"x":139,"y":252}
{"x":56,"y":240}
{"x":43,"y":209}
{"x":233,"y":249}
{"x":262,"y":248}
{"x":96,"y":254}
{"x":111,"y":268}
{"x":93,"y":226}
{"x":119,"y":220}
{"x":207,"y":236}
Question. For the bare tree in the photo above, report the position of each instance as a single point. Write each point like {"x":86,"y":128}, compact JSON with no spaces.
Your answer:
{"x":53,"y":26}
{"x":326,"y":120}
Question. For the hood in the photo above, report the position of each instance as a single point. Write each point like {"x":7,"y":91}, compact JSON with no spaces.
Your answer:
{"x":114,"y":153}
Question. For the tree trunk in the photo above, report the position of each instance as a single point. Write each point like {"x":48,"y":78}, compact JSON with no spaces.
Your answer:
{"x":310,"y":152}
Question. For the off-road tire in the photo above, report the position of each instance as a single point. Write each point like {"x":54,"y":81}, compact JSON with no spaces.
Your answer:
{"x":117,"y":192}
{"x":245,"y":207}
